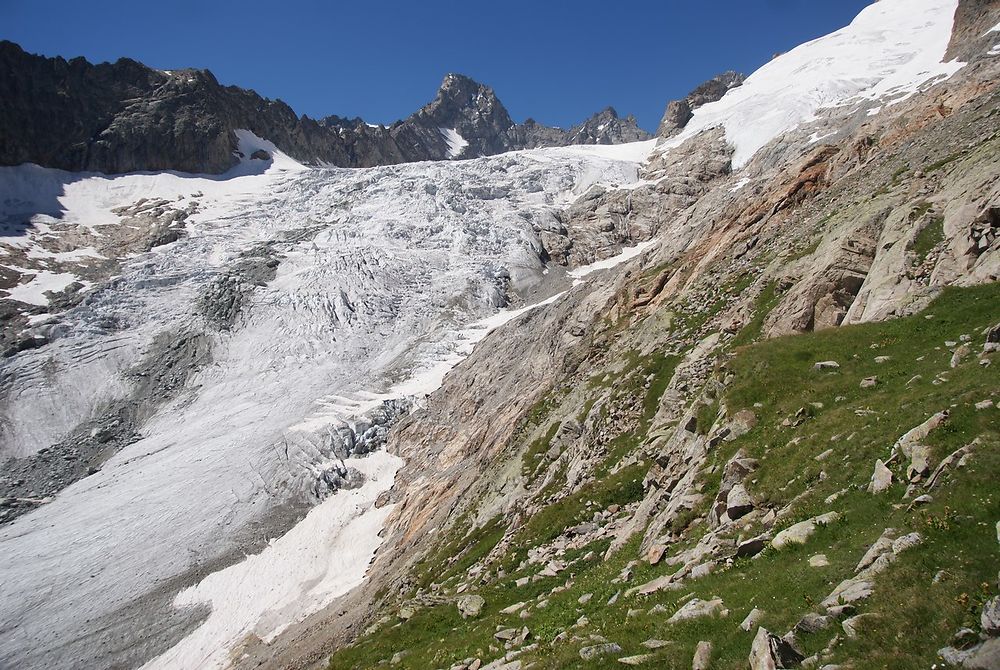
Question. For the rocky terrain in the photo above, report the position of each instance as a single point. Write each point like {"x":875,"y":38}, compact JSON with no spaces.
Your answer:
{"x":725,"y":399}
{"x":125,"y":117}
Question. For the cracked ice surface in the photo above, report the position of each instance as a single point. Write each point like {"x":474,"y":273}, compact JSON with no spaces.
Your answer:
{"x":384,"y":275}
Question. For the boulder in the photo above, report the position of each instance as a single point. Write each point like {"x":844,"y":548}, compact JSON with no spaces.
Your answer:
{"x":702,"y":656}
{"x":697,"y":608}
{"x":813,"y":623}
{"x":848,"y":592}
{"x":770,"y":652}
{"x":989,"y":619}
{"x":597,"y":650}
{"x":738,"y":502}
{"x":470,"y":606}
{"x":881,"y":478}
{"x":826,"y":365}
{"x":752,"y":619}
{"x":751,"y":547}
{"x":986,"y":657}
{"x":800,"y":532}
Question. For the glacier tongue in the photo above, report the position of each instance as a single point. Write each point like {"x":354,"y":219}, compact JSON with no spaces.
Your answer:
{"x":385,"y":275}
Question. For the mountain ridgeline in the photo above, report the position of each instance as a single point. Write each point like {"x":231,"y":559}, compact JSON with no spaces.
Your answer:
{"x":125,"y":117}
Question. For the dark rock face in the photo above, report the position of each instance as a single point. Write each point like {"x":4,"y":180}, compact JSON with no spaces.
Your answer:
{"x":679,"y":112}
{"x":125,"y":117}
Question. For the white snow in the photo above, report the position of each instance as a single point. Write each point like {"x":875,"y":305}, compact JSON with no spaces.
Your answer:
{"x":33,"y":292}
{"x":456,"y":143}
{"x":323,"y":556}
{"x":738,"y":186}
{"x":627,"y":254}
{"x":891,"y":50}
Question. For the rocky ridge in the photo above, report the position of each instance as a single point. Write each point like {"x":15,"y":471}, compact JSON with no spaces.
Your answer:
{"x":126,"y":117}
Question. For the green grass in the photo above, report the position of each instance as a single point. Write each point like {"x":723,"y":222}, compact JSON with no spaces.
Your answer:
{"x":929,"y":237}
{"x":857,"y":426}
{"x":937,"y":165}
{"x":766,"y":301}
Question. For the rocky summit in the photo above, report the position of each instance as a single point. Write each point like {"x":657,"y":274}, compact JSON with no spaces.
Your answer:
{"x":501,"y":395}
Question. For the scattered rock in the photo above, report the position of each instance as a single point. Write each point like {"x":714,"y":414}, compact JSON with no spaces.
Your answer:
{"x":738,"y":502}
{"x":847,"y":592}
{"x":869,"y":382}
{"x":656,"y":644}
{"x":984,"y":404}
{"x":854,"y":624}
{"x":751,"y":547}
{"x":636,"y":660}
{"x":826,"y":365}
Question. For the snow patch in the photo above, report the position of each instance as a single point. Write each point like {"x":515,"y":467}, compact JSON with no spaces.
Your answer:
{"x":33,"y":292}
{"x":627,"y":254}
{"x":738,"y":186}
{"x":456,"y":143}
{"x":892,"y":49}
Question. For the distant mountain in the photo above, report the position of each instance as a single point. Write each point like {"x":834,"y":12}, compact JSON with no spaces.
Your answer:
{"x":125,"y":117}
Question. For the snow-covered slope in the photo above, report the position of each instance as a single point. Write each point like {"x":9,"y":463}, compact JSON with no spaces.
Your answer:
{"x":891,"y":50}
{"x":384,"y":279}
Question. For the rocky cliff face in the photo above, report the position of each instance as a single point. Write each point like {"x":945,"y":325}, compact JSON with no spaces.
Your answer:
{"x":679,"y":112}
{"x":125,"y":117}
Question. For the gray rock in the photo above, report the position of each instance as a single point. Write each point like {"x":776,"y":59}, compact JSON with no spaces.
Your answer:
{"x":770,"y":652}
{"x":679,"y":112}
{"x":470,"y":605}
{"x":598,"y":650}
{"x":989,"y":619}
{"x":881,"y":478}
{"x":985,"y":657}
{"x":702,"y":656}
{"x":813,"y":623}
{"x":800,"y":532}
{"x":738,"y":502}
{"x":752,"y":619}
{"x":826,"y":365}
{"x":697,"y":608}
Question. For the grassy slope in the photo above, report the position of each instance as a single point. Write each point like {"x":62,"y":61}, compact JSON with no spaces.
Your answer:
{"x":959,"y":525}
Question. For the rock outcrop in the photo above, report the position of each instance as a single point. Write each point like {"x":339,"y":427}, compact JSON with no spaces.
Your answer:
{"x":679,"y":112}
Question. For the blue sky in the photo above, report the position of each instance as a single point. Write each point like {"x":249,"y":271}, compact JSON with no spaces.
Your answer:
{"x":555,"y":61}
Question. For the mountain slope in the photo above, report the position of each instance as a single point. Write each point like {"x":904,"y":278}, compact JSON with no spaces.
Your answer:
{"x":554,"y":408}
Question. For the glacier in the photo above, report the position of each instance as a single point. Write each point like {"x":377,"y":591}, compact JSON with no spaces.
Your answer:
{"x":211,"y":526}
